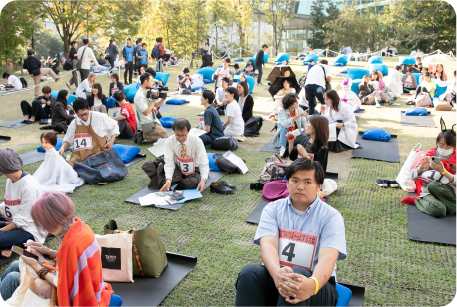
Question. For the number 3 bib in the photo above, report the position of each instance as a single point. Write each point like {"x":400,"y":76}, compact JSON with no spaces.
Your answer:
{"x":296,"y":248}
{"x":186,"y":165}
{"x":82,"y":141}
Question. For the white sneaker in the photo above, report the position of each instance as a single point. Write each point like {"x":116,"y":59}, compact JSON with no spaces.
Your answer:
{"x":68,"y":85}
{"x":282,"y":151}
{"x":377,"y":105}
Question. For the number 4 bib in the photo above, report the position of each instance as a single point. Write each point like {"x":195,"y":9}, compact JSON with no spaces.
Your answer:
{"x":296,"y":248}
{"x":186,"y":165}
{"x":82,"y":141}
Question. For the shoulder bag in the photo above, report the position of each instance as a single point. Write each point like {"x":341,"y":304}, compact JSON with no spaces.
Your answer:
{"x":78,"y":63}
{"x":328,"y":86}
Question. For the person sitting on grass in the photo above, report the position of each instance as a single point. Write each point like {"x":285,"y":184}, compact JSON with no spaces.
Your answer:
{"x":428,"y":87}
{"x":59,"y":116}
{"x":417,"y":68}
{"x":237,"y":69}
{"x":348,"y":96}
{"x":185,"y":81}
{"x":315,"y":144}
{"x":97,"y":100}
{"x":437,"y":180}
{"x":12,"y":82}
{"x":439,"y":73}
{"x":126,"y":119}
{"x":290,"y":117}
{"x":408,"y":81}
{"x":211,"y":119}
{"x":219,"y":101}
{"x":245,"y":100}
{"x":250,"y":68}
{"x":369,"y":96}
{"x":280,"y":95}
{"x":85,"y":87}
{"x":234,"y":124}
{"x":40,"y":108}
{"x":301,"y":238}
{"x":115,"y":85}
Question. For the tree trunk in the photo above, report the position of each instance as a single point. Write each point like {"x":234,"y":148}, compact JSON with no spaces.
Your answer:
{"x":217,"y":32}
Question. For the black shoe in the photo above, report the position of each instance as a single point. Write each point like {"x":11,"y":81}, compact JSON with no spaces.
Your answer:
{"x":256,"y":186}
{"x":231,"y":186}
{"x":220,"y":188}
{"x":24,"y":121}
{"x":29,"y":122}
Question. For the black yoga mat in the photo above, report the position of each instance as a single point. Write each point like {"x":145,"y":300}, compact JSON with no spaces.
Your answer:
{"x":139,"y":157}
{"x":426,"y":228}
{"x":152,"y":291}
{"x":14,"y":123}
{"x":4,"y":138}
{"x":359,"y":114}
{"x":212,"y":177}
{"x":254,"y":217}
{"x":14,"y":256}
{"x":358,"y":295}
{"x":417,"y":121}
{"x":167,"y":107}
{"x":377,"y":150}
{"x":270,"y":147}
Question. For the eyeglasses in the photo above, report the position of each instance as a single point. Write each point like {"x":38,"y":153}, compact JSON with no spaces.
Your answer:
{"x":180,"y":136}
{"x":83,"y":115}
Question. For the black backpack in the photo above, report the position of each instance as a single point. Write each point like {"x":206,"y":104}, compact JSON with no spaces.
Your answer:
{"x":24,"y":83}
{"x":225,"y":165}
{"x":225,"y":143}
{"x":68,"y":65}
{"x":252,"y":126}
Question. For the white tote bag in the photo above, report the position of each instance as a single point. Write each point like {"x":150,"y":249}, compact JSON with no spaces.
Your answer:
{"x":404,"y":177}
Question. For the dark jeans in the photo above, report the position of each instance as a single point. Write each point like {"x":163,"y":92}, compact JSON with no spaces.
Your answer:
{"x":259,"y":77}
{"x":125,"y":132}
{"x":255,"y":287}
{"x":34,"y":110}
{"x":207,"y":139}
{"x":314,"y":91}
{"x":84,"y":74}
{"x":13,"y":237}
{"x":111,"y":63}
{"x":189,"y":181}
{"x":60,"y":127}
{"x":129,"y":69}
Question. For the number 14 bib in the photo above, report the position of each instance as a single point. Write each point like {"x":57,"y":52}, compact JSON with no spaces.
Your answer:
{"x":296,"y":248}
{"x":186,"y":165}
{"x":82,"y":141}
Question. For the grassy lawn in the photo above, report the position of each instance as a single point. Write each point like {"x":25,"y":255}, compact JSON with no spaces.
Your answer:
{"x":394,"y":270}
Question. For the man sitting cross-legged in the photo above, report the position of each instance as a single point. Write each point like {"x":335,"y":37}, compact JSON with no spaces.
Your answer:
{"x":301,"y":238}
{"x":187,"y":152}
{"x":126,"y":118}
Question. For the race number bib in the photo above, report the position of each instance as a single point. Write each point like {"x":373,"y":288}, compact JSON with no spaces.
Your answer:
{"x":222,"y":76}
{"x":113,"y":90}
{"x":296,"y":248}
{"x":311,"y":156}
{"x":186,"y":165}
{"x":187,"y":83}
{"x":432,"y":175}
{"x":82,"y":141}
{"x":11,"y":208}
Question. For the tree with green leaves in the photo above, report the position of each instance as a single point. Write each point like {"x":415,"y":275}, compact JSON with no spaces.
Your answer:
{"x":322,"y":13}
{"x":278,"y":13}
{"x":242,"y":19}
{"x":219,"y":19}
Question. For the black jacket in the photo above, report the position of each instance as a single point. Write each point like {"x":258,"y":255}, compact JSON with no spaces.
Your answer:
{"x":259,"y":58}
{"x":321,"y":155}
{"x":91,"y":101}
{"x":59,"y":115}
{"x":207,"y":60}
{"x":119,"y":85}
{"x":31,"y":63}
{"x":47,"y":108}
{"x":73,"y":54}
{"x":246,"y":113}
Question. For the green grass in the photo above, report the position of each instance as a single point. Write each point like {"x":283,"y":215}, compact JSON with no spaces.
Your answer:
{"x":394,"y":270}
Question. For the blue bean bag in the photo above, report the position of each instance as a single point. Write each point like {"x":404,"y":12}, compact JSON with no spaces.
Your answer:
{"x":282,"y":57}
{"x":309,"y":57}
{"x":176,"y":101}
{"x":339,"y":64}
{"x":375,"y":60}
{"x":198,"y":88}
{"x":57,"y":147}
{"x":265,"y":57}
{"x":115,"y":301}
{"x":406,"y":60}
{"x":376,"y":135}
{"x":71,"y":97}
{"x":110,"y":102}
{"x":206,"y":81}
{"x":381,"y":67}
{"x":130,"y":91}
{"x":161,"y":76}
{"x":126,"y":152}
{"x":440,"y":90}
{"x":253,"y":60}
{"x":341,"y":59}
{"x":417,"y":75}
{"x":355,"y":85}
{"x":238,"y":60}
{"x":251,"y":83}
{"x":344,"y":71}
{"x":357,"y":73}
{"x":207,"y":73}
{"x":167,"y":122}
{"x":212,"y":163}
{"x":220,"y":66}
{"x":416,"y":112}
{"x":344,"y":295}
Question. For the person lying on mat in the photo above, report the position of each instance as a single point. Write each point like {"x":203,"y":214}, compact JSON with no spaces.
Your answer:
{"x":290,"y":118}
{"x":126,"y":119}
{"x":342,"y":118}
{"x":78,"y":246}
{"x":187,"y":152}
{"x":40,"y":108}
{"x":88,"y":133}
{"x":315,"y":144}
{"x":437,"y":180}
{"x":211,"y":119}
{"x":21,"y":191}
{"x":301,"y":238}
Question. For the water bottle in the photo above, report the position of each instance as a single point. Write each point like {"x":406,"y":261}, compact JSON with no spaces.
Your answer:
{"x":115,"y":114}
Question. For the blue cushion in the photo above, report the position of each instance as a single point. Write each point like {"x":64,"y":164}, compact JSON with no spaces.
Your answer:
{"x":440,"y":90}
{"x":309,"y":57}
{"x":71,"y":97}
{"x":57,"y":147}
{"x":417,"y":75}
{"x":161,"y":76}
{"x":207,"y":81}
{"x":176,"y":101}
{"x":342,"y":59}
{"x":355,"y":85}
{"x":344,"y":71}
{"x":339,"y":64}
{"x":344,"y":295}
{"x":357,"y":73}
{"x":198,"y":88}
{"x":238,"y":60}
{"x":110,"y":102}
{"x":212,"y":163}
{"x":282,"y":57}
{"x":253,"y":60}
{"x":416,"y":112}
{"x":265,"y":57}
{"x":406,"y":60}
{"x":207,"y":73}
{"x":167,"y":122}
{"x":220,"y":66}
{"x":115,"y":301}
{"x":126,"y":152}
{"x":376,"y":135}
{"x":251,"y":83}
{"x":375,"y":60}
{"x":381,"y":67}
{"x":130,"y":91}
